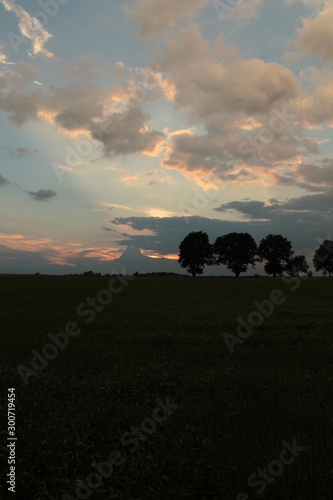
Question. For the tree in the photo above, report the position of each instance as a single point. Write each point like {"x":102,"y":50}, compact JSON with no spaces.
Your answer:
{"x":194,"y":252}
{"x":236,"y":251}
{"x":297,"y":265}
{"x":277,"y":251}
{"x":323,"y":258}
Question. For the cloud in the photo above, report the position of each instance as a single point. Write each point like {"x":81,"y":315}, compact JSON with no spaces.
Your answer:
{"x":305,"y":209}
{"x":208,"y":84}
{"x":315,"y":37}
{"x":20,"y":152}
{"x":26,"y":70}
{"x":255,"y":210}
{"x":194,"y":153}
{"x":30,"y":28}
{"x":4,"y":181}
{"x":320,"y":174}
{"x":206,"y":89}
{"x":76,"y":106}
{"x":7,"y":182}
{"x":157,"y":16}
{"x":42,"y":194}
{"x":316,"y":107}
{"x":240,"y":156}
{"x":3,"y":58}
{"x":85,"y":68}
{"x":130,"y":133}
{"x":84,"y":108}
{"x":22,"y":106}
{"x":21,"y":253}
{"x":42,"y":254}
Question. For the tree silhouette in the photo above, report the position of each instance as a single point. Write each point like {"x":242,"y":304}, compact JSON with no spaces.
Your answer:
{"x":323,"y":258}
{"x":194,"y":252}
{"x":236,"y":251}
{"x":297,"y":265}
{"x":277,"y":251}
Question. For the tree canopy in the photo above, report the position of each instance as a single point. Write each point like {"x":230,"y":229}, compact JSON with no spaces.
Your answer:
{"x":194,"y":252}
{"x":236,"y":251}
{"x":276,"y":251}
{"x":297,"y":265}
{"x":323,"y":258}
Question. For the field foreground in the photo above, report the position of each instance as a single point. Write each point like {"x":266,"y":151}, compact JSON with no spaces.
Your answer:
{"x":147,"y":391}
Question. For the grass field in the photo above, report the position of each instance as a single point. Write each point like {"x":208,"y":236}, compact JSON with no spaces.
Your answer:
{"x":160,"y":339}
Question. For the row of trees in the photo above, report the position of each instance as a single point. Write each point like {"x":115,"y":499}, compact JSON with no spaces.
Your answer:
{"x":239,"y":250}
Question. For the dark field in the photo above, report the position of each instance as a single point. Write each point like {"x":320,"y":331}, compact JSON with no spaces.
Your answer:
{"x":163,"y":338}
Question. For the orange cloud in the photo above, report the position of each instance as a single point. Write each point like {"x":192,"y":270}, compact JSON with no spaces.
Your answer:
{"x":103,"y":254}
{"x":159,"y":212}
{"x":61,"y":253}
{"x":152,"y":254}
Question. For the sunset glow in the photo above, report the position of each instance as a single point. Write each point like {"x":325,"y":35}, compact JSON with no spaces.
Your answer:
{"x":161,"y":119}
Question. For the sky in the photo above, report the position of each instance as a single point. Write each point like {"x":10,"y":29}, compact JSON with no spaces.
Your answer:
{"x":126,"y":125}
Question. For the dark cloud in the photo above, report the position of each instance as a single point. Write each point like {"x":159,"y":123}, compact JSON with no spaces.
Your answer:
{"x":320,"y":173}
{"x":297,"y":219}
{"x":257,"y":210}
{"x":129,"y":133}
{"x":4,"y":181}
{"x":77,"y":105}
{"x":20,"y":152}
{"x":291,"y":180}
{"x":304,"y":209}
{"x":42,"y":194}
